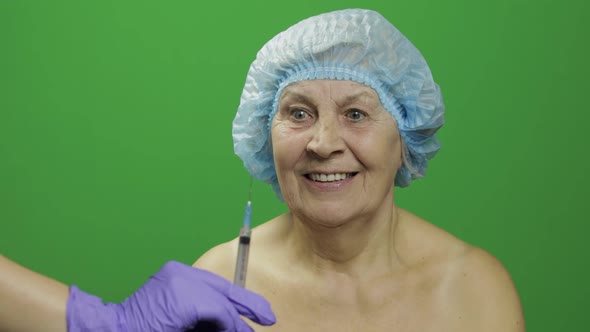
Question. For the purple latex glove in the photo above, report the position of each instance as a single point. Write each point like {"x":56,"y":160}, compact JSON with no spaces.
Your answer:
{"x":176,"y":298}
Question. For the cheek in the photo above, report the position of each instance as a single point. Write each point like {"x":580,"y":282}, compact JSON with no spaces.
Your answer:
{"x":284,"y":148}
{"x":379,"y":151}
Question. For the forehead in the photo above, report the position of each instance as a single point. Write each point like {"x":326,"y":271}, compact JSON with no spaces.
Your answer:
{"x":334,"y":89}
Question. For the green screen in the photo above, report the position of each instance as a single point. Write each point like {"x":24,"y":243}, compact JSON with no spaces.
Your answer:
{"x":116,"y":152}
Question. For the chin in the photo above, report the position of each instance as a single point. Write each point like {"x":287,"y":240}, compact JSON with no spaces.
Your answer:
{"x":327,"y":214}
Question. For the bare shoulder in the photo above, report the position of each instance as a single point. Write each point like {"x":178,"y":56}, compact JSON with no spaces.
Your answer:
{"x":483,"y":292}
{"x":219,"y":259}
{"x":477,"y":292}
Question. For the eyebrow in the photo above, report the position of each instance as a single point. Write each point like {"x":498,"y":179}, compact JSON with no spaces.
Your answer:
{"x":305,"y":99}
{"x":358,"y":96}
{"x":295,"y":95}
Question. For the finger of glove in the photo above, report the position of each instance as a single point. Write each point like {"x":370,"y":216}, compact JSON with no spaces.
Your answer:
{"x":247,"y":303}
{"x":223,"y":313}
{"x":243,"y":327}
{"x":238,"y":324}
{"x":252,"y":305}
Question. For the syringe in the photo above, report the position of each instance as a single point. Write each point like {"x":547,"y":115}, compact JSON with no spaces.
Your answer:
{"x":244,"y":245}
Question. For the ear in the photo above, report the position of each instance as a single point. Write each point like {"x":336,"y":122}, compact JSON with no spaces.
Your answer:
{"x":401,"y":155}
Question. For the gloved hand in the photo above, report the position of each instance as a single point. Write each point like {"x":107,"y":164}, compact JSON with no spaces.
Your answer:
{"x":176,"y":298}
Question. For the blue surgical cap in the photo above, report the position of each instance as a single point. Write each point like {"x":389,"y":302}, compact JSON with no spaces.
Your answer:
{"x":353,"y":44}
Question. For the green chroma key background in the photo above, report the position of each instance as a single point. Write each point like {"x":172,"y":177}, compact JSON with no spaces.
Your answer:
{"x":116,"y":152}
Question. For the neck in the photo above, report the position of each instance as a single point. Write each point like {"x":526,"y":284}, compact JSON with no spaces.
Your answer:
{"x":353,"y":247}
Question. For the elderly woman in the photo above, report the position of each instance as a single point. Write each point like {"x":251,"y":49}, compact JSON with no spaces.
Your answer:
{"x":337,"y":110}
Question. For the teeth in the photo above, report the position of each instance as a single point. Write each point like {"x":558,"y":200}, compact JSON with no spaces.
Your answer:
{"x":329,"y":177}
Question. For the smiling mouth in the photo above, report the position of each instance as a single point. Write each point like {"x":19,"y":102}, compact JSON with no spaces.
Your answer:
{"x":321,"y":177}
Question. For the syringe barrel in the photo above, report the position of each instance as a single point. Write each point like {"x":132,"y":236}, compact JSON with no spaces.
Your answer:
{"x":242,"y":259}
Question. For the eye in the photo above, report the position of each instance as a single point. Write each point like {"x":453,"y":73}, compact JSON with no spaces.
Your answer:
{"x":355,"y":115}
{"x":299,"y":114}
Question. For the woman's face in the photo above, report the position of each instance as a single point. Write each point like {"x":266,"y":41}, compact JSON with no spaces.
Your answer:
{"x":336,"y":150}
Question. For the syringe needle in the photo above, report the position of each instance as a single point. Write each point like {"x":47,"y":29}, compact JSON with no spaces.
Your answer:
{"x":250,"y":191}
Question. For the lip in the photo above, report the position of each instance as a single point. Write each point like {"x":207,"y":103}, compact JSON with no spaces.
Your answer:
{"x":329,"y":186}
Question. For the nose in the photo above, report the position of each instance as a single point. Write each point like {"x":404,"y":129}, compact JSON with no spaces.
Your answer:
{"x":326,"y":139}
